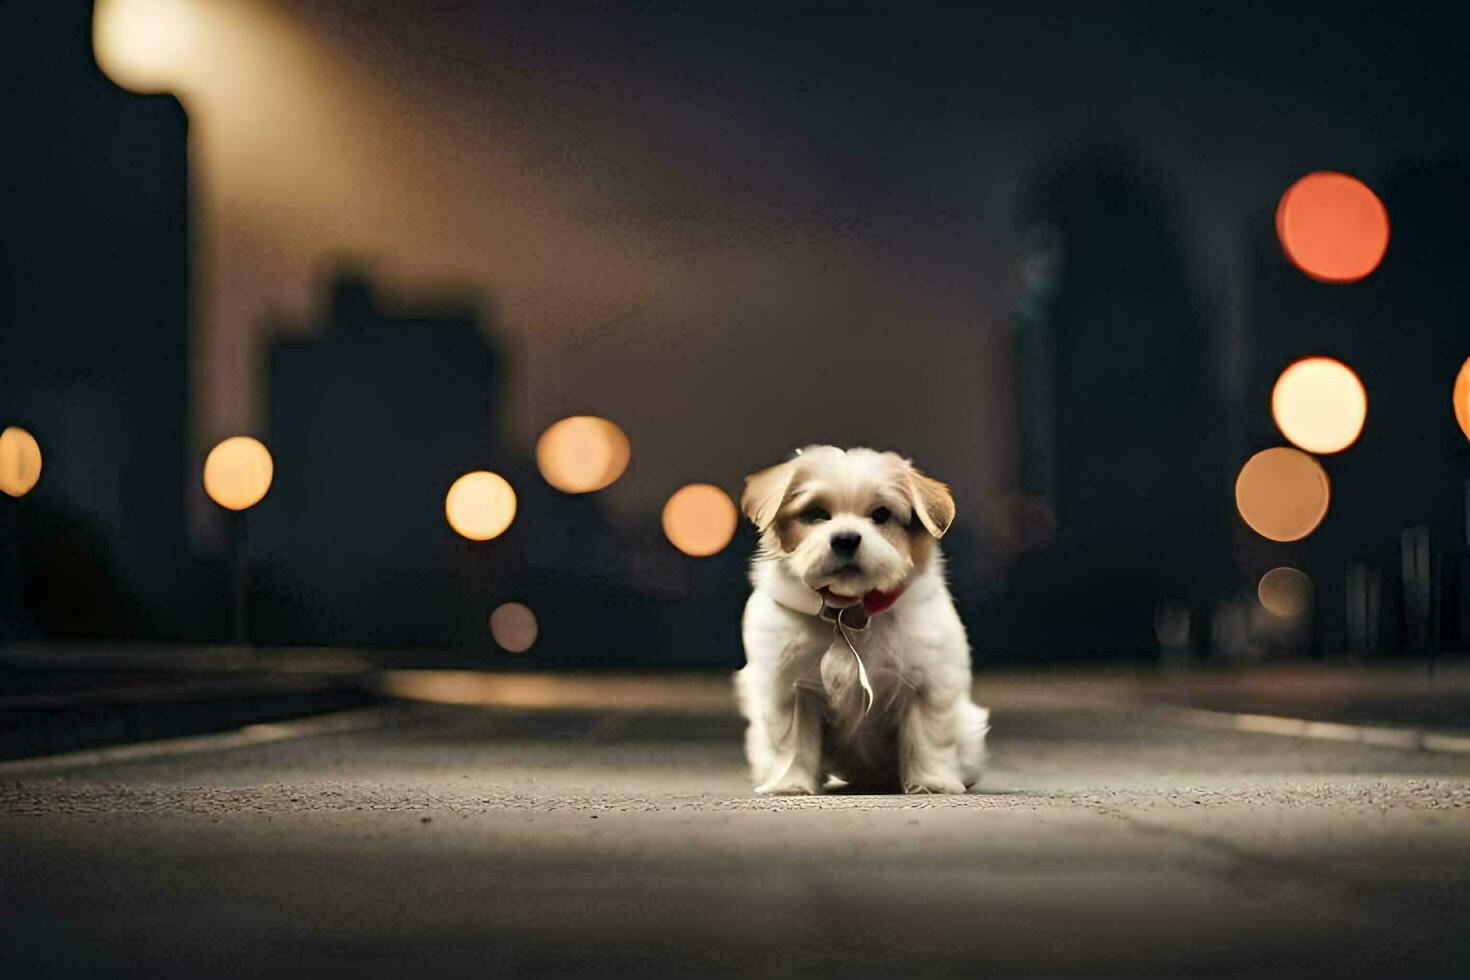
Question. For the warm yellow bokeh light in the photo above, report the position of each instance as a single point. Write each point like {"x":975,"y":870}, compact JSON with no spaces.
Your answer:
{"x":1282,"y":494}
{"x":143,"y":44}
{"x":700,"y":519}
{"x":20,"y":461}
{"x":514,"y":628}
{"x":1461,"y":397}
{"x":1286,"y":592}
{"x":238,"y":472}
{"x":1332,"y":227}
{"x":480,"y":505}
{"x":582,"y":453}
{"x":1319,"y":404}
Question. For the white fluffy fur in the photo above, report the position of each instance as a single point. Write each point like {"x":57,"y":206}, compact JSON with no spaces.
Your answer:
{"x":800,"y":693}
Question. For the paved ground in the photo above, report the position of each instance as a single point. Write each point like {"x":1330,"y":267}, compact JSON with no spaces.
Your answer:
{"x":563,"y":835}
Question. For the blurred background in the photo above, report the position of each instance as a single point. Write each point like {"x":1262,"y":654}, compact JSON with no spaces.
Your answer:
{"x":506,"y":300}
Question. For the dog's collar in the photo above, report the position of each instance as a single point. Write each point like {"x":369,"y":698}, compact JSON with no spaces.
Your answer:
{"x":799,"y":598}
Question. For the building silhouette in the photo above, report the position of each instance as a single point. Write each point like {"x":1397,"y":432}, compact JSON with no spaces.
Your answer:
{"x":372,"y":418}
{"x":1121,"y":466}
{"x":94,"y":342}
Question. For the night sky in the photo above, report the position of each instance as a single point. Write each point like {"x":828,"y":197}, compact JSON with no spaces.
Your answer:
{"x":741,"y":201}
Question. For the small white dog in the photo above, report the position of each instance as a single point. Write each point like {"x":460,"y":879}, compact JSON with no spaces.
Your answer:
{"x":856,"y":663}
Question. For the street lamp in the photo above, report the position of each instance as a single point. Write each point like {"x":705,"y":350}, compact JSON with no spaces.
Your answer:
{"x":142,"y":44}
{"x":1332,"y":227}
{"x":513,"y":625}
{"x":237,"y":474}
{"x":1282,"y":493}
{"x":699,"y":519}
{"x":1319,"y":404}
{"x":480,"y":505}
{"x":582,"y":454}
{"x":20,"y":461}
{"x":1285,"y":592}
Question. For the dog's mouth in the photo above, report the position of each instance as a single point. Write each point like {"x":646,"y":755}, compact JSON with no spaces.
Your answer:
{"x":838,"y":601}
{"x":841,"y":583}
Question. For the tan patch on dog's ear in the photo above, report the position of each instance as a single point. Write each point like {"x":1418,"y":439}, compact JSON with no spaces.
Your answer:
{"x":932,"y":502}
{"x":764,"y":493}
{"x":921,"y":547}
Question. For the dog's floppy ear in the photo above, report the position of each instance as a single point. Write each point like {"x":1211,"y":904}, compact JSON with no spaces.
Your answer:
{"x":764,"y":492}
{"x":932,"y":502}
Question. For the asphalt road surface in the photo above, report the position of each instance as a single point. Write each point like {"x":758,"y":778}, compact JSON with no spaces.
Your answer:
{"x":440,"y":840}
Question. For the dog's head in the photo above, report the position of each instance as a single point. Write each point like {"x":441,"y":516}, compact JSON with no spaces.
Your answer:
{"x":847,"y":522}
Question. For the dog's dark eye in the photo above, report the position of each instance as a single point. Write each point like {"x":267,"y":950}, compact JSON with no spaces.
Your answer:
{"x":813,"y":515}
{"x":880,"y":516}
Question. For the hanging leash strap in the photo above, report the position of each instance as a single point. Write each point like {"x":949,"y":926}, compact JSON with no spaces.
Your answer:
{"x":845,"y":621}
{"x":839,"y":628}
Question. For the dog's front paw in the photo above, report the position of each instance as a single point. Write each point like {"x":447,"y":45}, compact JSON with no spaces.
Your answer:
{"x":788,"y":787}
{"x":933,"y":784}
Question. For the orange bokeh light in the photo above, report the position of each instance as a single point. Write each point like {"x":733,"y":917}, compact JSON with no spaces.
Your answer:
{"x":480,"y":505}
{"x":1461,"y":396}
{"x":1332,"y":227}
{"x":700,"y":519}
{"x":582,"y":454}
{"x":20,"y":461}
{"x":1282,"y":494}
{"x":238,"y":472}
{"x":1319,"y":404}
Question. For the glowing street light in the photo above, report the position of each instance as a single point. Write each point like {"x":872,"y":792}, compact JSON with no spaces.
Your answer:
{"x":480,"y":505}
{"x":700,"y":519}
{"x":20,"y":461}
{"x":237,"y":474}
{"x":582,"y":454}
{"x":1285,"y":592}
{"x":1461,"y":398}
{"x":141,"y":44}
{"x":1319,"y":404}
{"x":514,"y":627}
{"x":1332,"y":227}
{"x":1282,"y":494}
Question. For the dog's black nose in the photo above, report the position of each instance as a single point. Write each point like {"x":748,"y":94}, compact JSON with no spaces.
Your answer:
{"x":846,"y":544}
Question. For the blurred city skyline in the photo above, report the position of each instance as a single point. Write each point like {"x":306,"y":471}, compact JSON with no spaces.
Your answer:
{"x":731,"y":240}
{"x":688,"y":190}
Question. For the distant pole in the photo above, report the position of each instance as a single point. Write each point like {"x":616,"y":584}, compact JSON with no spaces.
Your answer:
{"x":1436,"y":612}
{"x":1364,"y":610}
{"x":12,"y":613}
{"x":1418,"y":576}
{"x":240,"y":605}
{"x":237,"y":473}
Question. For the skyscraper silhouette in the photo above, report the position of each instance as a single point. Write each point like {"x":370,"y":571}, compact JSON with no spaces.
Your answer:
{"x":93,"y":348}
{"x":372,"y":418}
{"x":1119,"y":414}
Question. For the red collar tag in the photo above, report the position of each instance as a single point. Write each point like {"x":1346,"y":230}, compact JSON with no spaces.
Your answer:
{"x":876,"y":601}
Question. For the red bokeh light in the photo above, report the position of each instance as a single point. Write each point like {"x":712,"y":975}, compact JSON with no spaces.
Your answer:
{"x":1332,"y":227}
